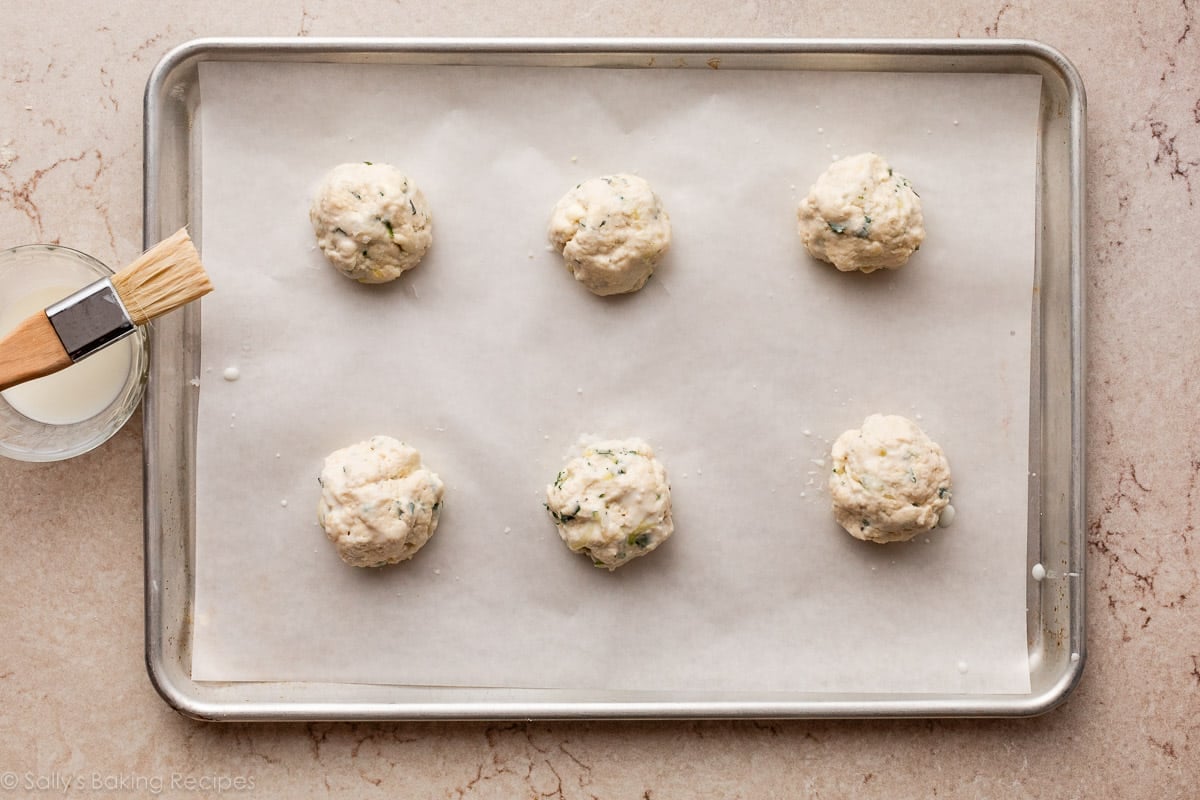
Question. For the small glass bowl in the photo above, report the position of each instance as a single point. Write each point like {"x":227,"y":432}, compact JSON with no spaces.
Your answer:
{"x":36,"y":268}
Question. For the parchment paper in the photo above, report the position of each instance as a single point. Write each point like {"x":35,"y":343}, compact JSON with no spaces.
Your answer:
{"x":740,"y":361}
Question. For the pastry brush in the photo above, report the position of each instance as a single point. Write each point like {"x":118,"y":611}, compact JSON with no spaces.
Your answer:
{"x":162,"y":279}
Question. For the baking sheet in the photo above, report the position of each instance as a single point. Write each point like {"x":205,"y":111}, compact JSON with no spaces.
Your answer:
{"x":740,"y":360}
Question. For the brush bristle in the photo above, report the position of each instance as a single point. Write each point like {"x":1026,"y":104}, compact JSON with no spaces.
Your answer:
{"x":162,"y":279}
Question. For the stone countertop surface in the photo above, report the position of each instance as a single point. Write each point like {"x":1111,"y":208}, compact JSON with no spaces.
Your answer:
{"x":76,"y":705}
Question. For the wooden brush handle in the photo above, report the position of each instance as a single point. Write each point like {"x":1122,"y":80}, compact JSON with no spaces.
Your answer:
{"x":31,"y":351}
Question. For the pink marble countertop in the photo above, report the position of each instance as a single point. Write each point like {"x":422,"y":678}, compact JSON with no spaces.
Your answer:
{"x":76,"y":706}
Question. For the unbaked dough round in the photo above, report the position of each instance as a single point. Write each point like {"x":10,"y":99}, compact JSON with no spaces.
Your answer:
{"x":371,"y":221}
{"x":611,"y":232}
{"x":862,"y":215}
{"x":379,"y":504}
{"x":612,"y":503}
{"x":890,"y":481}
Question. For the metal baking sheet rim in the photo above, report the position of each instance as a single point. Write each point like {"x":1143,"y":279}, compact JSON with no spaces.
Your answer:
{"x":170,"y":204}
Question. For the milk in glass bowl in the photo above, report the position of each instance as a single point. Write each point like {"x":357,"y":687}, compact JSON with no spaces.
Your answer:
{"x":76,"y":410}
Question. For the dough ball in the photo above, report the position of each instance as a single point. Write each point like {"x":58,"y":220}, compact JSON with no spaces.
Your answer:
{"x":379,"y":504}
{"x":890,"y":481}
{"x":612,"y":503}
{"x":611,"y":231}
{"x":371,"y":221}
{"x":860,"y":214}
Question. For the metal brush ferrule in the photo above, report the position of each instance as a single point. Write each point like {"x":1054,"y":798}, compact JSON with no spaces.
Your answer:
{"x":90,"y":320}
